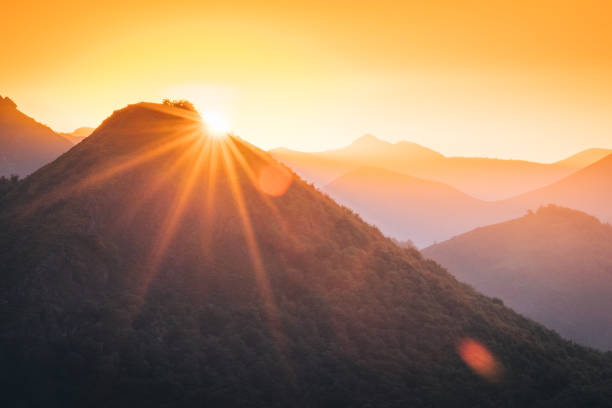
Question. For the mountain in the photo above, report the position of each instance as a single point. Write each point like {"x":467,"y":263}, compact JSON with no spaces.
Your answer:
{"x":369,"y":147}
{"x":78,"y":135}
{"x":482,"y":178}
{"x":584,"y":158}
{"x":405,"y":207}
{"x":25,"y":145}
{"x":554,"y":265}
{"x":366,"y":151}
{"x":409,"y":208}
{"x":586,"y":190}
{"x":153,"y":265}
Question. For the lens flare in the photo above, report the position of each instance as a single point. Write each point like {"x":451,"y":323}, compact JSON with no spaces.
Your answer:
{"x":274,"y":180}
{"x":480,"y":359}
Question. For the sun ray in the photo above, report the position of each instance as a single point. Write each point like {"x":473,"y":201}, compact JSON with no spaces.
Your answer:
{"x":261,"y":276}
{"x":168,"y":229}
{"x":267,"y":200}
{"x":131,"y":211}
{"x":146,"y":155}
{"x":208,"y":213}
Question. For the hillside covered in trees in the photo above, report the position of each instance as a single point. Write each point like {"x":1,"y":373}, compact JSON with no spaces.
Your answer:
{"x":152,"y":265}
{"x":553,"y":265}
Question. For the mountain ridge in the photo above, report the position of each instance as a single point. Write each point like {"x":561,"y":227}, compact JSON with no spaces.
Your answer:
{"x":155,"y":269}
{"x":408,"y":208}
{"x":483,"y":178}
{"x":552,"y":265}
{"x":586,"y":190}
{"x":26,"y":144}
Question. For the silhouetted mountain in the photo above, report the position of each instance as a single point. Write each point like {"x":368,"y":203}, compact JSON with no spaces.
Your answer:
{"x":483,"y":178}
{"x":78,"y":135}
{"x":25,"y":145}
{"x":152,"y":265}
{"x":366,"y":151}
{"x":554,"y":266}
{"x":368,"y":146}
{"x":424,"y":211}
{"x":588,"y":190}
{"x":409,"y":208}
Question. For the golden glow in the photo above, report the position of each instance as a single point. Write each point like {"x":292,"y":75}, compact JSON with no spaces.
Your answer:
{"x":196,"y":164}
{"x":480,"y":359}
{"x":215,"y":123}
{"x":526,"y":80}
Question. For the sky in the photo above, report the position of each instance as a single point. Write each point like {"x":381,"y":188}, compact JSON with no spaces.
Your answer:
{"x":509,"y":79}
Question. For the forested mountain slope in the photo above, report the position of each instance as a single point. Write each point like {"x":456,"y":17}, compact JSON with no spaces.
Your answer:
{"x":152,"y":265}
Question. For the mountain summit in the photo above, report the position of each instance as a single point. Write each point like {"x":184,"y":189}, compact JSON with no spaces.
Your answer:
{"x":553,"y":265}
{"x":368,"y":146}
{"x":368,"y":140}
{"x":154,"y":265}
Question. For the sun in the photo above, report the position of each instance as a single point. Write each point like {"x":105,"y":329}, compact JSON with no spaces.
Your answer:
{"x":216,"y":123}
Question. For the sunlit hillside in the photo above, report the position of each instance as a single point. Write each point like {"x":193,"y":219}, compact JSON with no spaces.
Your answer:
{"x":321,"y":204}
{"x":553,"y":265}
{"x":154,"y":264}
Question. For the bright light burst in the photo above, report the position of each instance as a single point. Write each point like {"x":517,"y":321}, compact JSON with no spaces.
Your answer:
{"x":198,"y":162}
{"x":215,"y":123}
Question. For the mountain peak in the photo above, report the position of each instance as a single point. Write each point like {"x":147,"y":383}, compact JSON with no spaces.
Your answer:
{"x":552,"y":265}
{"x":25,"y":144}
{"x":139,"y":124}
{"x":368,"y":139}
{"x":7,"y":103}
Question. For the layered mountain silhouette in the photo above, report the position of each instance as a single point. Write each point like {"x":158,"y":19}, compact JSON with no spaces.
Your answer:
{"x":483,"y":178}
{"x":79,"y":134}
{"x":424,"y":211}
{"x":554,"y":265}
{"x":152,"y":265}
{"x":588,"y":190}
{"x":25,"y":145}
{"x":584,"y":158}
{"x":409,"y":208}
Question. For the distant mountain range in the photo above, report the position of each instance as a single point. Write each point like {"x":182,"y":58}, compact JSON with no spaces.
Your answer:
{"x":588,"y":190}
{"x":78,"y":135}
{"x":426,"y":211}
{"x":554,"y":265}
{"x":25,"y":145}
{"x":482,"y":178}
{"x":153,"y":265}
{"x":409,"y":208}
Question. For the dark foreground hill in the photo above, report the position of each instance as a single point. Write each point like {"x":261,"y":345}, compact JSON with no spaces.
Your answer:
{"x":25,"y":145}
{"x":554,"y":265}
{"x":154,"y":266}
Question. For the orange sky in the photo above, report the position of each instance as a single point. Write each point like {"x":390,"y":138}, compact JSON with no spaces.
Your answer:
{"x":502,"y":79}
